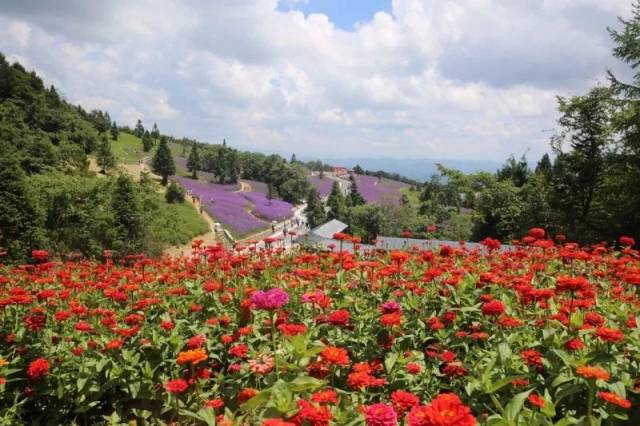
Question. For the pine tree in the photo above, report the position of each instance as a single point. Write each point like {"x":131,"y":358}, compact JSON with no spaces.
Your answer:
{"x":129,"y":221}
{"x":544,"y":166}
{"x":114,"y":131}
{"x":104,"y":156}
{"x":293,"y":159}
{"x":193,"y":162}
{"x":336,"y":203}
{"x":155,"y":133}
{"x":354,"y":198}
{"x":314,"y":210}
{"x":162,"y":162}
{"x":147,"y":141}
{"x":139,"y":130}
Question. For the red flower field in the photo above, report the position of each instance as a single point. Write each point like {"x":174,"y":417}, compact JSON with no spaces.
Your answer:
{"x":544,"y":334}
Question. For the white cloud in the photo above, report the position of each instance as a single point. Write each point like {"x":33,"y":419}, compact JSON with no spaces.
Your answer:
{"x":460,"y":79}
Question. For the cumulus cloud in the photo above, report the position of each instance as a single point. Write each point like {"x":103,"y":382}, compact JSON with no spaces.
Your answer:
{"x":433,"y":78}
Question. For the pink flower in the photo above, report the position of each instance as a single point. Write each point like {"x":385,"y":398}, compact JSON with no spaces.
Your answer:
{"x":269,"y":300}
{"x":381,"y":415}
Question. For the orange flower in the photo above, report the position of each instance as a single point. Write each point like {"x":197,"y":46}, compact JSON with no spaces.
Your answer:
{"x":193,"y":357}
{"x":334,"y":355}
{"x":615,"y":399}
{"x":592,"y":372}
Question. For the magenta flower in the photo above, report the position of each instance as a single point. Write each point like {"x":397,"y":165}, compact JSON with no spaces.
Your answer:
{"x":269,"y":300}
{"x":391,"y":307}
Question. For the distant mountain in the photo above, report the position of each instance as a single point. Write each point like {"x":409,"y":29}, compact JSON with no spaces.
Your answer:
{"x":415,"y":168}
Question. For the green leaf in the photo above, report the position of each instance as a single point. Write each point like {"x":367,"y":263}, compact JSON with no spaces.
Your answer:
{"x":503,"y":382}
{"x":305,"y":384}
{"x":281,"y":396}
{"x":514,"y":406}
{"x":504,"y":352}
{"x":390,"y":361}
{"x":257,"y":400}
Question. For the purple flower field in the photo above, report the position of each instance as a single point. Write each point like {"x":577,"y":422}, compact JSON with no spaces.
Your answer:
{"x":322,"y":185}
{"x":274,"y":210}
{"x":383,"y":191}
{"x":225,"y":205}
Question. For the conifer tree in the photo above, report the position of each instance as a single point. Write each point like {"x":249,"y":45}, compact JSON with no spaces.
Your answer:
{"x":314,"y":209}
{"x":162,"y":162}
{"x":155,"y":132}
{"x":193,"y":162}
{"x":104,"y":156}
{"x":336,"y":203}
{"x":354,"y":198}
{"x":114,"y":131}
{"x":129,"y":220}
{"x":147,"y":141}
{"x":139,"y":130}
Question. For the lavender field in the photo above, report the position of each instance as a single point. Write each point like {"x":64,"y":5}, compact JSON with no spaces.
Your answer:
{"x":322,"y":185}
{"x":268,"y":209}
{"x":242,"y":212}
{"x":384,"y":191}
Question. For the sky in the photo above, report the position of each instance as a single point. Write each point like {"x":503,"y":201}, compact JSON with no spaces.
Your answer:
{"x":460,"y":79}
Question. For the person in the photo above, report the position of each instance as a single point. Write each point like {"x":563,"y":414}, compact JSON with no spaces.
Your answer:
{"x":284,"y":231}
{"x":273,"y":228}
{"x":200,"y":208}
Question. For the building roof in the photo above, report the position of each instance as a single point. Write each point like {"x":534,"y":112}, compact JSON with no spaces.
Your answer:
{"x":328,"y":229}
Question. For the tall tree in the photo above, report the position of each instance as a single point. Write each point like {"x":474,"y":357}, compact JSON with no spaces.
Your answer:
{"x":585,"y":124}
{"x":544,"y":166}
{"x":336,"y":203}
{"x":129,"y":219}
{"x":139,"y":129}
{"x":114,"y":131}
{"x":515,"y":171}
{"x":354,"y":198}
{"x":147,"y":141}
{"x":193,"y":162}
{"x":104,"y":156}
{"x":314,"y":210}
{"x":155,"y":132}
{"x":162,"y":162}
{"x":293,"y":159}
{"x":626,"y":171}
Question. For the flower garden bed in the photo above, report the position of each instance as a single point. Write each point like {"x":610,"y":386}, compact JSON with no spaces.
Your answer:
{"x":540,"y":335}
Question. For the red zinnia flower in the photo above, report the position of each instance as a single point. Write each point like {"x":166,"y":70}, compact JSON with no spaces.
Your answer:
{"x":38,"y":369}
{"x":403,"y":401}
{"x":493,"y":308}
{"x":536,"y":400}
{"x":176,"y":386}
{"x":611,"y":335}
{"x":335,"y":356}
{"x":615,"y":399}
{"x":445,"y":409}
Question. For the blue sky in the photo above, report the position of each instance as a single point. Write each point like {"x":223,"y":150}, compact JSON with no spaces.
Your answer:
{"x":344,"y":13}
{"x":460,"y":79}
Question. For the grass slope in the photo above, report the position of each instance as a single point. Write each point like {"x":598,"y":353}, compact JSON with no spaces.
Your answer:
{"x":128,"y":149}
{"x":176,"y":224}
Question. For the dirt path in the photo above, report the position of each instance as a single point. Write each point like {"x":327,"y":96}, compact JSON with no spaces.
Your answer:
{"x":244,"y":187}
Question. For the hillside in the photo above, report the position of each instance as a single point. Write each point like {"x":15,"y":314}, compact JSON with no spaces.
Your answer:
{"x":50,"y":198}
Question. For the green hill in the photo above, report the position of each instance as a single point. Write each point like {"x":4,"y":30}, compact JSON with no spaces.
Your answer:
{"x":50,"y":199}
